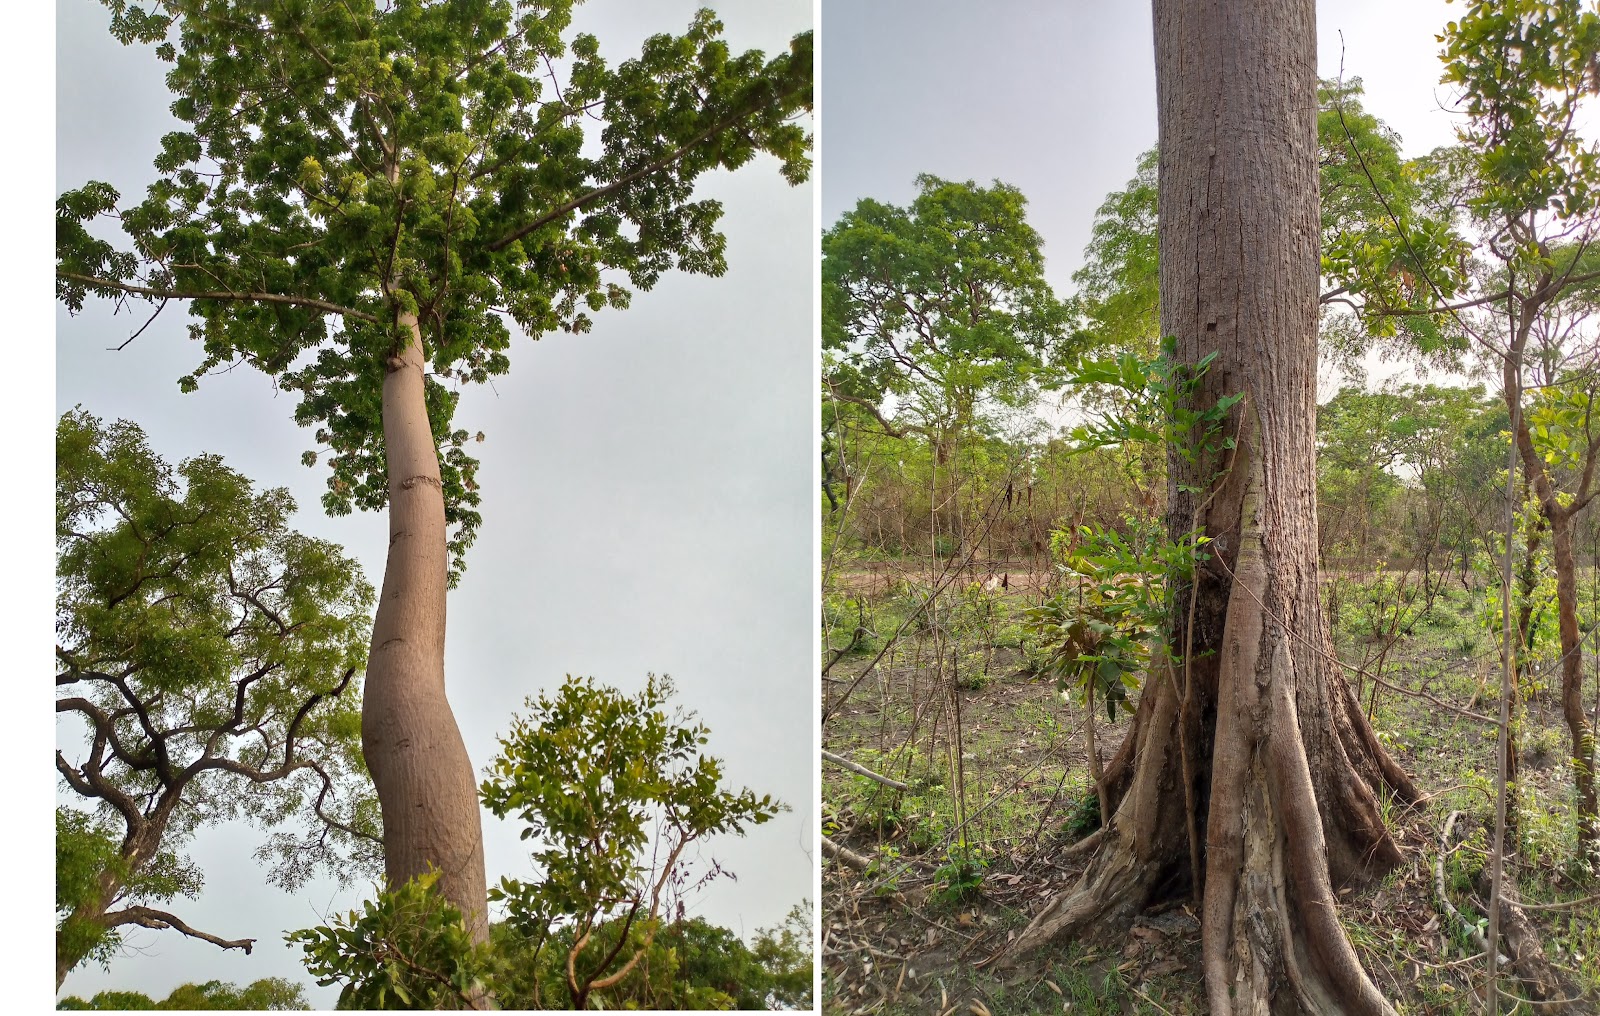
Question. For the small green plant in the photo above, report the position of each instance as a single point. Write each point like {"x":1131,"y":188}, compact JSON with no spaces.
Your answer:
{"x":406,"y":949}
{"x":960,"y":878}
{"x":1085,"y":817}
{"x":884,"y":871}
{"x":850,"y":624}
{"x":599,"y":778}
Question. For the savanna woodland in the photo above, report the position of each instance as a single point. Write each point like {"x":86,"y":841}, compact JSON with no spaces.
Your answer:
{"x":1168,"y":666}
{"x":369,"y":202}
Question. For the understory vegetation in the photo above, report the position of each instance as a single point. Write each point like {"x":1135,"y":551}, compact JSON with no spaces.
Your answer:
{"x":938,"y":679}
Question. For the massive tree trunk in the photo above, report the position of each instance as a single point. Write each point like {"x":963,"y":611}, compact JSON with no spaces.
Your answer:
{"x":420,"y":769}
{"x":1249,"y":766}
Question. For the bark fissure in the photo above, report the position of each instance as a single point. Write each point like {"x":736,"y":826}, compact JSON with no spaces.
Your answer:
{"x":1283,"y":770}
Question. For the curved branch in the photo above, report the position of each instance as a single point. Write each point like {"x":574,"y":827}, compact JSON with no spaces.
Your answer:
{"x":160,"y":920}
{"x":289,"y":765}
{"x":103,"y":721}
{"x":90,"y":783}
{"x":248,"y":297}
{"x":328,"y":820}
{"x":889,"y":429}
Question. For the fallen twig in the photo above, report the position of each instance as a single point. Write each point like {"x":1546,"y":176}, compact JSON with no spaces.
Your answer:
{"x":845,"y":763}
{"x":845,"y":855}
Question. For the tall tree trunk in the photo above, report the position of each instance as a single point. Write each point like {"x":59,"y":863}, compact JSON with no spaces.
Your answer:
{"x":1284,"y":770}
{"x":424,"y":779}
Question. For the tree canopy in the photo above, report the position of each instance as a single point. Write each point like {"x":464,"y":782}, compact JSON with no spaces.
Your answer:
{"x":268,"y":994}
{"x":208,"y":655}
{"x":939,"y":305}
{"x":340,"y":162}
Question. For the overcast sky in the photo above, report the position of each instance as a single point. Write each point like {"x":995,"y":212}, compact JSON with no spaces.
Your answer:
{"x":1057,"y":97}
{"x":647,"y":499}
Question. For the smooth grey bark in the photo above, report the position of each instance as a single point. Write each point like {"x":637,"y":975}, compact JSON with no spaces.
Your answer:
{"x":419,"y":764}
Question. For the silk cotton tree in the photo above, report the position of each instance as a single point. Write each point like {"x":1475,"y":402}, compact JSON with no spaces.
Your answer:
{"x":1250,"y":776}
{"x":366,"y":198}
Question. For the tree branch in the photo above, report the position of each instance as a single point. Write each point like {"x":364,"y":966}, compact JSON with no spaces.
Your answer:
{"x":647,"y":169}
{"x":160,"y":920}
{"x":171,"y":294}
{"x":103,"y":721}
{"x":91,"y":784}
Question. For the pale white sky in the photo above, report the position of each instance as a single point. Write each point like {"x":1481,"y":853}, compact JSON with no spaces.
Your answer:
{"x":647,"y":504}
{"x":1058,"y":98}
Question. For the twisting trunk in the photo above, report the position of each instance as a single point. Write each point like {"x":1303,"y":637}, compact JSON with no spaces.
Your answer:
{"x":1284,"y":769}
{"x":419,"y":763}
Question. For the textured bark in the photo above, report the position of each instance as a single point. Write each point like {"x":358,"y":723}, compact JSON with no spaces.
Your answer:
{"x":420,"y":769}
{"x":1284,"y":770}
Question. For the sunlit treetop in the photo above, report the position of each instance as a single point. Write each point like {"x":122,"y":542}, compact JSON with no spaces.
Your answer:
{"x":343,"y":162}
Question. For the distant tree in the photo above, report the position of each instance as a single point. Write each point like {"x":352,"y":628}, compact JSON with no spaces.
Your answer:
{"x":270,"y":994}
{"x":1525,"y":179}
{"x":363,"y":198}
{"x":1419,"y":443}
{"x":785,"y":953}
{"x":207,"y":658}
{"x":691,"y":964}
{"x":937,"y":306}
{"x":614,"y":789}
{"x":1116,"y":304}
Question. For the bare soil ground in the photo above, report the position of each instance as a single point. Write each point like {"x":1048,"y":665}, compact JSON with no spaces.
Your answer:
{"x":951,"y":711}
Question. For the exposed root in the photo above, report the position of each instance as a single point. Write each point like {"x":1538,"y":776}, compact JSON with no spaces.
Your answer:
{"x":1110,"y":896}
{"x":1527,"y":962}
{"x":1542,"y":981}
{"x":1470,"y":928}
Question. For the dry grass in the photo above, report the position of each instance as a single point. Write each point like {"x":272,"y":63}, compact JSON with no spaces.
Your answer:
{"x":904,"y":937}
